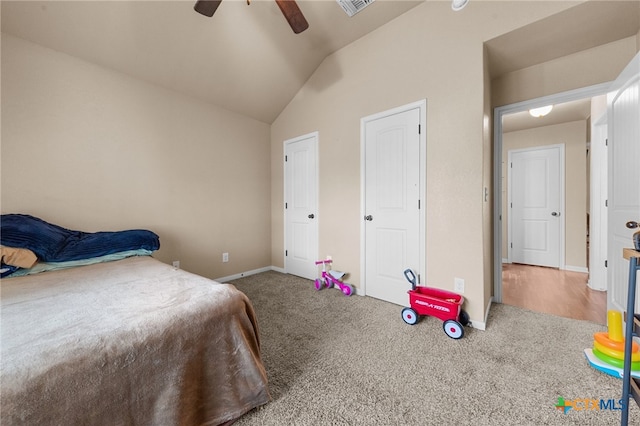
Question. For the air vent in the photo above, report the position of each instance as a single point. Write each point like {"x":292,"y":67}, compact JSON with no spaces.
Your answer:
{"x":351,"y":7}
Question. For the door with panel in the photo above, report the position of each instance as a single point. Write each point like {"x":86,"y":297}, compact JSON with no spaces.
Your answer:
{"x":301,"y":205}
{"x":535,"y":205}
{"x":624,"y":179}
{"x":392,"y":204}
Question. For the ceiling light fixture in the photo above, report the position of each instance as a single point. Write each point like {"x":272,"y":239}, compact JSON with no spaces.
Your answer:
{"x":541,"y":112}
{"x":458,"y":4}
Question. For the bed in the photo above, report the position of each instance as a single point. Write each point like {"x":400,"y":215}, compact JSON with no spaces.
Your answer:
{"x":128,"y":341}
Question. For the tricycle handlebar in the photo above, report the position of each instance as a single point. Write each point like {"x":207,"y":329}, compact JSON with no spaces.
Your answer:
{"x":326,"y":261}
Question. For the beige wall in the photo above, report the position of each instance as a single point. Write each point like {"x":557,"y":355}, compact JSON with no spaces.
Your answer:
{"x":428,"y":53}
{"x":92,"y":149}
{"x":574,"y":137}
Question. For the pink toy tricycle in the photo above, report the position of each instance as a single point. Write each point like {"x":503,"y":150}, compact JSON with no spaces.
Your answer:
{"x":331,"y":278}
{"x":442,"y":304}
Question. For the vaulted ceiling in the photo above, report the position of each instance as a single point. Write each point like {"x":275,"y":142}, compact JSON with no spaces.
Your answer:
{"x":246,"y":58}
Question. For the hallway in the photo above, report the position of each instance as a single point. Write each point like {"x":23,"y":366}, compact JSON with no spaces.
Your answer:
{"x":553,"y":291}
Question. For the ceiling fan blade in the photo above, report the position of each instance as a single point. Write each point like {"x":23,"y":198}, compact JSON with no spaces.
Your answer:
{"x":207,"y":7}
{"x":294,"y":15}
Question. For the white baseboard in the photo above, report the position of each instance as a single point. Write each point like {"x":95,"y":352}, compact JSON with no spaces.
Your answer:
{"x":248,"y":273}
{"x":482,"y":325}
{"x":576,"y":269}
{"x":356,"y":290}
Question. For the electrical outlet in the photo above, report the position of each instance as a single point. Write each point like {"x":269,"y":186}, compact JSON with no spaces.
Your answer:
{"x":176,"y":264}
{"x":225,"y":257}
{"x":458,"y":285}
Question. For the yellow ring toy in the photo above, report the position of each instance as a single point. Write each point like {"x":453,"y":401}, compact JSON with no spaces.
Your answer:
{"x":603,"y":338}
{"x":635,"y":357}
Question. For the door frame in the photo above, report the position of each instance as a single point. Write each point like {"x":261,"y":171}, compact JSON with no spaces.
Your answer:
{"x":422,"y":140}
{"x":561,"y":193}
{"x":316,"y":137}
{"x":498,"y":113}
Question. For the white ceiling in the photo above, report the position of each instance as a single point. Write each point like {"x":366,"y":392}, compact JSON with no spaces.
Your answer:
{"x":246,"y":58}
{"x":582,"y":27}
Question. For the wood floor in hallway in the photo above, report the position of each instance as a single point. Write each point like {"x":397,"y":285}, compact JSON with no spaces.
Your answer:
{"x":553,"y":291}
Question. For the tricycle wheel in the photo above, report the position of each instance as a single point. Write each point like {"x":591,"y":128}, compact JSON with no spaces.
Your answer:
{"x":328,"y":283}
{"x":347,"y":290}
{"x":453,"y":329}
{"x":318,"y":284}
{"x":463,"y":318}
{"x":410,"y":316}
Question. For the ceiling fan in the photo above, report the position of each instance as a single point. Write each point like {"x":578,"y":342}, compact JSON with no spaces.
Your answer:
{"x":289,"y":9}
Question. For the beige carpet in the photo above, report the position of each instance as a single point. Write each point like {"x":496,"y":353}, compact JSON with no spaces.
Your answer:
{"x":336,"y":360}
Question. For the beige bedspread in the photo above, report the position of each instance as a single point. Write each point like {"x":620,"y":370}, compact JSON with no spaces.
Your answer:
{"x":128,"y":342}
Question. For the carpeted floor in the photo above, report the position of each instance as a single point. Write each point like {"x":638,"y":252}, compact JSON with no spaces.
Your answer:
{"x":336,"y":360}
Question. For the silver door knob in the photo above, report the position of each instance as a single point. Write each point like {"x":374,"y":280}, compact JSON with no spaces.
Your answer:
{"x":555,"y":213}
{"x":632,"y":224}
{"x":368,"y":217}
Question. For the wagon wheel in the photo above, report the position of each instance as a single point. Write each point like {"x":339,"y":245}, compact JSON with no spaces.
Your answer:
{"x":410,"y":316}
{"x":463,"y":318}
{"x":453,"y":329}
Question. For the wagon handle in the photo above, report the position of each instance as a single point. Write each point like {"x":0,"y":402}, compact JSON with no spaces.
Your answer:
{"x":411,"y":277}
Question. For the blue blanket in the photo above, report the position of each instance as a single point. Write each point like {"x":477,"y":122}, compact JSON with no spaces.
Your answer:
{"x":52,"y":243}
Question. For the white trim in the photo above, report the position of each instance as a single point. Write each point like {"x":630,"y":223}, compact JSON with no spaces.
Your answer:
{"x":278,"y":269}
{"x":576,"y":269}
{"x":482,"y":325}
{"x":228,"y":278}
{"x":246,"y":274}
{"x":316,"y":136}
{"x":498,"y":113}
{"x":422,"y":106}
{"x":561,"y":193}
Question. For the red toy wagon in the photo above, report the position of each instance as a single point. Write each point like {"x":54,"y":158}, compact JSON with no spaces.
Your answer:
{"x":442,"y":304}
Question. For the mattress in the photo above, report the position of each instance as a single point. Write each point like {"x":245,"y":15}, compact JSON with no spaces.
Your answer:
{"x":133,"y":341}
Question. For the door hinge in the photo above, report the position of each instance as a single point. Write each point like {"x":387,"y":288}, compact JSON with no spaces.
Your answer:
{"x":511,"y":245}
{"x":606,"y":142}
{"x":606,"y":264}
{"x":286,"y":206}
{"x":418,"y":204}
{"x":606,"y":203}
{"x":418,"y":278}
{"x":286,"y":252}
{"x":419,"y":129}
{"x":285,"y":158}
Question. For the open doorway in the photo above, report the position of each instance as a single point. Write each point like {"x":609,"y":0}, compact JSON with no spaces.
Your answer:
{"x":563,"y":290}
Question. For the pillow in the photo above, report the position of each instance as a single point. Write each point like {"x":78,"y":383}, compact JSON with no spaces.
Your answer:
{"x":22,"y":258}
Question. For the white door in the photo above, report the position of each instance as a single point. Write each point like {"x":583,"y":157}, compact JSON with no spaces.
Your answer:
{"x":624,"y":178}
{"x":392,"y":203}
{"x":598,"y":206}
{"x":535,"y":201}
{"x":301,"y":205}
